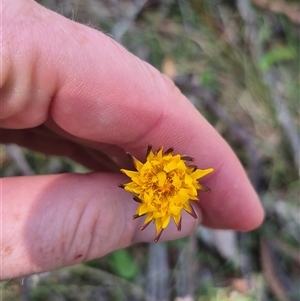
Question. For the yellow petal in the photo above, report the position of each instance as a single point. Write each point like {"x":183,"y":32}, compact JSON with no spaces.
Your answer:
{"x":158,"y":224}
{"x":170,"y":166}
{"x":143,"y":208}
{"x":137,"y":164}
{"x":159,"y":154}
{"x":162,"y":176}
{"x":176,"y":181}
{"x":151,"y":155}
{"x":149,"y":218}
{"x":200,"y":173}
{"x":166,"y":221}
{"x":131,"y":174}
{"x":183,"y":193}
{"x":188,"y":180}
{"x":176,"y":219}
{"x":175,"y":210}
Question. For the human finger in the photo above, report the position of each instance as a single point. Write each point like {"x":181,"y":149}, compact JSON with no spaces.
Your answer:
{"x":49,"y":222}
{"x":109,"y":96}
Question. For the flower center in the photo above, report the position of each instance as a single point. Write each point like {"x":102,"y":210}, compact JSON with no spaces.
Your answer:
{"x":162,"y":184}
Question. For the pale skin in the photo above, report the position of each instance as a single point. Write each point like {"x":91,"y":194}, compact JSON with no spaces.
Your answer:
{"x":67,"y":89}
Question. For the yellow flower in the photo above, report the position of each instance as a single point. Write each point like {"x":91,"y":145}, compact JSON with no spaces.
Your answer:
{"x":163,"y":186}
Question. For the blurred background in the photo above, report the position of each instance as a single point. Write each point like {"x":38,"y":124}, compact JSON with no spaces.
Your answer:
{"x":238,"y":63}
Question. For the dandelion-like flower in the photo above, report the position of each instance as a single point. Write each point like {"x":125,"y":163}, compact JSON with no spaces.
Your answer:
{"x":164,"y":186}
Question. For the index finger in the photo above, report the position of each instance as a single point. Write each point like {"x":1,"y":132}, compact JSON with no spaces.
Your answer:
{"x":96,"y":90}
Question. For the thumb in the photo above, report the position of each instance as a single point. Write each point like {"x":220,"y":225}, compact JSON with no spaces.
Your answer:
{"x":54,"y":221}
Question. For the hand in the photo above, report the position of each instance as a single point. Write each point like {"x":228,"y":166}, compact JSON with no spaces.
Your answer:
{"x":69,"y":90}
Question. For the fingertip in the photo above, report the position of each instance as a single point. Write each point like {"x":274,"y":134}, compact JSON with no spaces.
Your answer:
{"x":233,"y":209}
{"x":255,"y":217}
